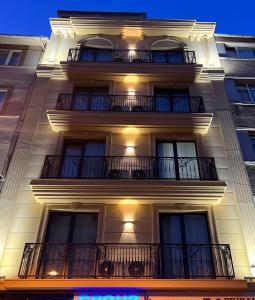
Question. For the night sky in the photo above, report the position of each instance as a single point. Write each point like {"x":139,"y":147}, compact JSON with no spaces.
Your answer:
{"x":32,"y":17}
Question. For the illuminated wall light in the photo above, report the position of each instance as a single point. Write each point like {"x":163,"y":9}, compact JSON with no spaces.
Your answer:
{"x":130,"y":150}
{"x":53,"y":273}
{"x":131,"y":93}
{"x":129,"y":226}
{"x":252,"y":269}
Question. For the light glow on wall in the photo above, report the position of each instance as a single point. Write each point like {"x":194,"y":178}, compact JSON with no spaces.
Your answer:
{"x":130,"y":130}
{"x":131,"y":79}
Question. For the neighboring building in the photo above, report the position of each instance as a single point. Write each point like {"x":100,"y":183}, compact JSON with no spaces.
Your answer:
{"x":127,"y":180}
{"x":237,"y":55}
{"x":19,"y":57}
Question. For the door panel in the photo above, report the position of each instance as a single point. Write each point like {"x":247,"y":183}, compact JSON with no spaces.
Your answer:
{"x":167,"y":100}
{"x":185,"y":246}
{"x":188,"y":167}
{"x":67,"y":249}
{"x":71,"y":160}
{"x":165,"y":160}
{"x":93,"y":165}
{"x":92,"y":98}
{"x":83,"y":159}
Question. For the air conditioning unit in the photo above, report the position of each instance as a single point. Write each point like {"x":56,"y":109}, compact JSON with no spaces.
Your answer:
{"x":136,"y":269}
{"x":118,"y":59}
{"x":106,"y":268}
{"x":138,"y":174}
{"x":114,"y":174}
{"x":137,"y":108}
{"x":116,"y":108}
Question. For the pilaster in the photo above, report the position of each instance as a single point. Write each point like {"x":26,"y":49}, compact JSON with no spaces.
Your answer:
{"x":239,"y":178}
{"x":20,"y":156}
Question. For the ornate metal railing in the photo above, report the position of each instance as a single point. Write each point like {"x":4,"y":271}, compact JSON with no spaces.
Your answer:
{"x":42,"y":260}
{"x":129,"y":167}
{"x":131,"y":56}
{"x":130,"y":103}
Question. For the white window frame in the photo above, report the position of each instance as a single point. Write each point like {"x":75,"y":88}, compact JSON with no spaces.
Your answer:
{"x":2,"y":102}
{"x":11,"y":51}
{"x":247,"y":87}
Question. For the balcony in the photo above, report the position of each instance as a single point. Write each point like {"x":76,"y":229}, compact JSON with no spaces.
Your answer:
{"x":115,"y":112}
{"x":132,"y":56}
{"x":181,"y":180}
{"x":122,"y":261}
{"x":179,"y":65}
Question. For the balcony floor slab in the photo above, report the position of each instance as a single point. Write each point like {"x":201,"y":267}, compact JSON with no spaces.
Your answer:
{"x":113,"y":191}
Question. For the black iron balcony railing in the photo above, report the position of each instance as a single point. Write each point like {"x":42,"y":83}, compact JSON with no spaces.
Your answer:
{"x":126,"y":261}
{"x":132,"y":56}
{"x":130,"y":103}
{"x":129,"y":167}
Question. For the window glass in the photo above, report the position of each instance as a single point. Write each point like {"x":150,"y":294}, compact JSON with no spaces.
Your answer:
{"x":246,"y":92}
{"x":14,"y":59}
{"x":252,"y":139}
{"x":3,"y":56}
{"x":231,"y":52}
{"x":244,"y":95}
{"x":2,"y":97}
{"x":245,"y":53}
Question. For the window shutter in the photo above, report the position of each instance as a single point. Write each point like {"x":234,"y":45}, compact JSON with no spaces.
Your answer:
{"x":232,"y":92}
{"x":221,"y":49}
{"x":246,"y":146}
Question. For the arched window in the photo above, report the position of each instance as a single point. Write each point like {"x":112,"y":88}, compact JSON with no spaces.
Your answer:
{"x":168,"y":51}
{"x":96,"y":49}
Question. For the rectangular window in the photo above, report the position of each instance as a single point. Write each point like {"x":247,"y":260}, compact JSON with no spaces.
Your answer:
{"x":3,"y":94}
{"x":91,"y":98}
{"x":246,"y":92}
{"x":83,"y":159}
{"x":240,"y":52}
{"x":252,"y":140}
{"x":231,"y":52}
{"x":69,"y":248}
{"x":185,"y":245}
{"x":172,"y":100}
{"x":177,"y":160}
{"x":9,"y":57}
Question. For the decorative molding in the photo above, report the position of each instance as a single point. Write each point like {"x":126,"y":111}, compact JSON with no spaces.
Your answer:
{"x":146,"y":122}
{"x":112,"y":191}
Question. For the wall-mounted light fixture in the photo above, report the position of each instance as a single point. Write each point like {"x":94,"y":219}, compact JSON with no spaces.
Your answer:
{"x":131,"y":93}
{"x":53,"y":273}
{"x":130,"y":150}
{"x":129,"y":225}
{"x":252,"y":270}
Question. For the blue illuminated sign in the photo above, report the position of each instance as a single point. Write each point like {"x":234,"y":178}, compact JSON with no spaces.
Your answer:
{"x":108,"y":297}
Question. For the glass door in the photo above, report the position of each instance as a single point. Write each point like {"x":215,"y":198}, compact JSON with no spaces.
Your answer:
{"x":165,"y":160}
{"x":93,"y":160}
{"x":93,"y":98}
{"x":187,"y":160}
{"x":69,"y":249}
{"x":185,"y":246}
{"x":177,"y":160}
{"x":83,"y":159}
{"x":96,"y":54}
{"x":167,"y":100}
